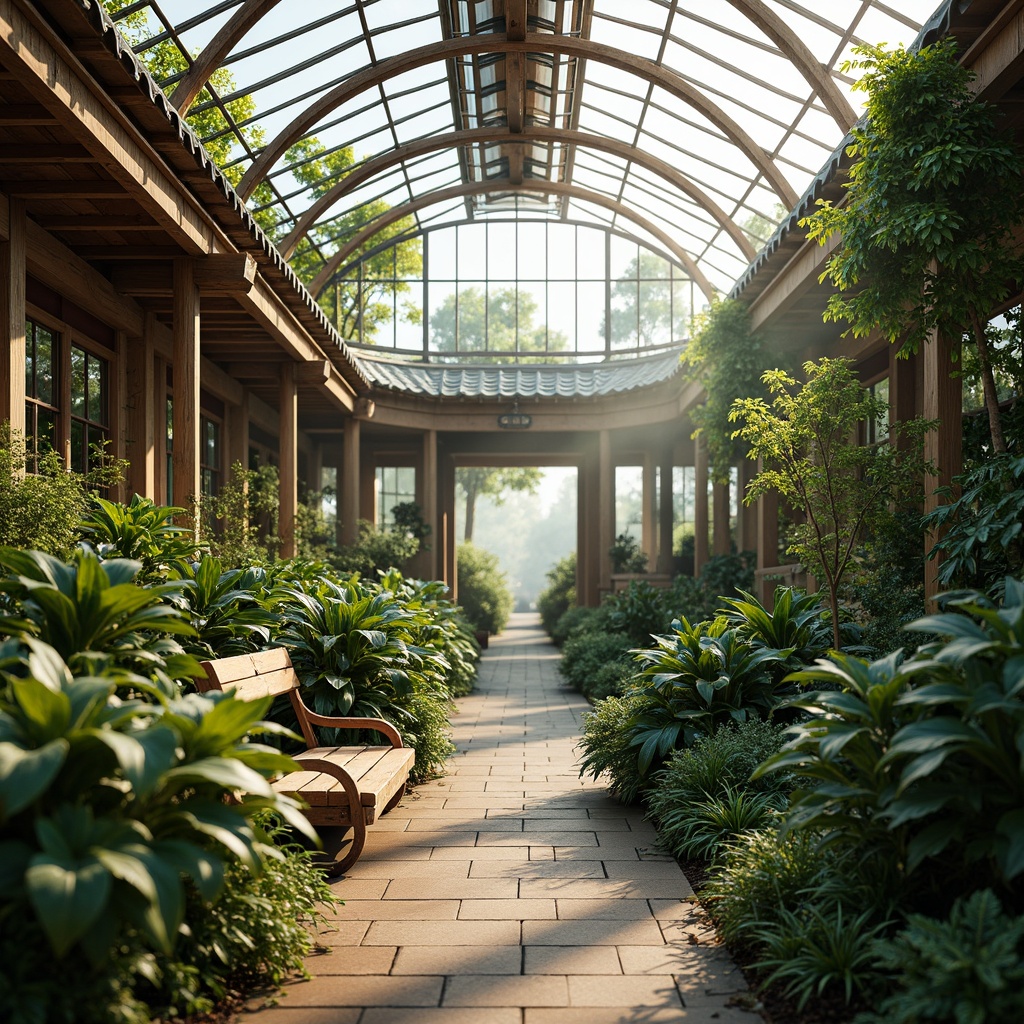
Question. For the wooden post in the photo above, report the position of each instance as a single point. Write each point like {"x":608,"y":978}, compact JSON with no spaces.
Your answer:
{"x":349,"y":484}
{"x":238,"y":433}
{"x":605,"y":509}
{"x":767,"y":540}
{"x":700,"y":506}
{"x":428,"y":503}
{"x":721,"y":533}
{"x":943,"y":401}
{"x":143,"y":416}
{"x":288,"y":459}
{"x":666,"y":514}
{"x":648,"y":533}
{"x":12,"y":320}
{"x":185,"y":388}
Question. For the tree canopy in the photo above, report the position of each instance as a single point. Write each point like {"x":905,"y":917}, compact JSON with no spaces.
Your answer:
{"x":935,"y":194}
{"x":475,"y":481}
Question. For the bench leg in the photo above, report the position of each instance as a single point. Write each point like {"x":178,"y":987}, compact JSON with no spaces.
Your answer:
{"x":355,"y":848}
{"x":393,"y":802}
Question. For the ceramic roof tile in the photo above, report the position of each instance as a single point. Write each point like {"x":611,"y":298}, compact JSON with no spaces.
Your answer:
{"x":570,"y":381}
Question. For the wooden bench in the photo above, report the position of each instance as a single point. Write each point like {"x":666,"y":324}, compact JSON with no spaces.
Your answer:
{"x":343,"y":786}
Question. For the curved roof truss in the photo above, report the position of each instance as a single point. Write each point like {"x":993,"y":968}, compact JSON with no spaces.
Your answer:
{"x":373,"y":167}
{"x":586,"y":49}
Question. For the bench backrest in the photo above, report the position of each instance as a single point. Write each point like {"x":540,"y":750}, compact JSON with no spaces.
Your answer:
{"x":251,"y":676}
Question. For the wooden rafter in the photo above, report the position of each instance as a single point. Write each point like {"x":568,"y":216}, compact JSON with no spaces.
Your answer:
{"x":534,"y":134}
{"x":402,"y":63}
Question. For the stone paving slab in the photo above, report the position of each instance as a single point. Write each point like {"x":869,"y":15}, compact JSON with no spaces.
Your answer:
{"x":512,"y":891}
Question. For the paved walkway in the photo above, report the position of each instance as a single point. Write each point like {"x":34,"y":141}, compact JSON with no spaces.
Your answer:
{"x":513,"y":892}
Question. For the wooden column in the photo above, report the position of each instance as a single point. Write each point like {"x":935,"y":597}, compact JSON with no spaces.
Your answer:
{"x":903,"y":386}
{"x":12,"y":320}
{"x":648,"y":532}
{"x":185,"y":387}
{"x":428,"y":504}
{"x":943,"y":401}
{"x":605,"y":509}
{"x":700,"y":506}
{"x":143,"y":416}
{"x":588,"y":549}
{"x":748,"y":513}
{"x":160,"y":460}
{"x":666,"y":514}
{"x":288,"y":459}
{"x":237,"y":448}
{"x":767,"y":541}
{"x":721,"y":534}
{"x":447,"y":541}
{"x":349,"y":482}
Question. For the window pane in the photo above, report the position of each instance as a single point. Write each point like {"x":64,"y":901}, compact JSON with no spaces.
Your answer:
{"x":591,"y":253}
{"x":590,"y":316}
{"x":441,"y":247}
{"x":78,"y":446}
{"x":655,"y":313}
{"x":78,"y":381}
{"x":501,"y":250}
{"x":561,"y":252}
{"x":30,"y":358}
{"x":96,"y":370}
{"x":45,"y":370}
{"x":46,"y":427}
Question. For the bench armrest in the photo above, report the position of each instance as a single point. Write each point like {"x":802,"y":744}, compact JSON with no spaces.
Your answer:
{"x":376,"y":724}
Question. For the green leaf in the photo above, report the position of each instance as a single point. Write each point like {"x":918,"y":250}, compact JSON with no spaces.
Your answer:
{"x":67,"y":897}
{"x":26,"y":774}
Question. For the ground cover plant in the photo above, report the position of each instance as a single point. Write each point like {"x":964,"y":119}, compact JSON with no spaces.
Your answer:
{"x":114,"y":773}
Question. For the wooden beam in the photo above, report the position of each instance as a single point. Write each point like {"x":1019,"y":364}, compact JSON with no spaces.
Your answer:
{"x":96,"y":222}
{"x":497,"y":134}
{"x":48,"y":70}
{"x":26,"y":115}
{"x":64,"y":188}
{"x":185,"y":387}
{"x":12,"y":319}
{"x":217,"y":274}
{"x":535,"y":42}
{"x":288,"y":465}
{"x":44,"y":153}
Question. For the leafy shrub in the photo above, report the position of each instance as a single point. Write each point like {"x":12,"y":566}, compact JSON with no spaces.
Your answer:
{"x":143,"y":531}
{"x":483,"y":590}
{"x":256,"y":933}
{"x":696,"y":680}
{"x":610,"y":680}
{"x":968,"y":969}
{"x":700,"y":830}
{"x":725,"y":575}
{"x":607,"y":748}
{"x":639,"y":611}
{"x":575,"y":619}
{"x":242,"y":517}
{"x":763,"y":873}
{"x":626,"y":555}
{"x":724,"y":760}
{"x":96,"y":618}
{"x":585,"y":653}
{"x":560,"y":594}
{"x":982,"y":542}
{"x":107,"y":802}
{"x":818,"y":949}
{"x":40,"y":510}
{"x":376,"y":550}
{"x":918,"y":765}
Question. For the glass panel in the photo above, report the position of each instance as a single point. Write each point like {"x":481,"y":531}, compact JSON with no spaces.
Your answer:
{"x":655,"y":313}
{"x":531,"y":262}
{"x":590,"y":316}
{"x":30,"y":358}
{"x":591,"y":254}
{"x":46,"y":430}
{"x":625,"y":258}
{"x":78,"y":381}
{"x":502,"y":315}
{"x":472,"y":319}
{"x":78,"y":446}
{"x":472,"y":252}
{"x":561,"y":263}
{"x":170,"y":423}
{"x":629,"y":492}
{"x":533,"y":319}
{"x":45,"y":368}
{"x":562,"y":315}
{"x":96,"y":370}
{"x":501,"y":250}
{"x":441,"y":249}
{"x":441,"y":303}
{"x":681,"y":312}
{"x":624,"y":314}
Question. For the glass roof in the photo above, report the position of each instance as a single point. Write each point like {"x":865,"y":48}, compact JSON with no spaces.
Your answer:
{"x":691,"y":125}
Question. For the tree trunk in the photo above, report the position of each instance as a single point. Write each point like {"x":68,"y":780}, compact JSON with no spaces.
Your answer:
{"x":988,"y":384}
